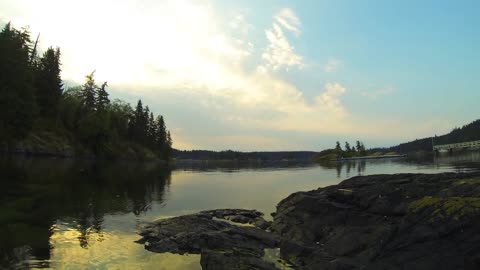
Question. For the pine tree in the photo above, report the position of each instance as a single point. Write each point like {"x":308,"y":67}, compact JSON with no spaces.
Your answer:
{"x":338,"y":148}
{"x":137,"y":122}
{"x":161,"y":136}
{"x":145,"y":126}
{"x":88,"y":93}
{"x":17,"y":100}
{"x":359,"y":146}
{"x":152,"y":131}
{"x":347,"y":147}
{"x":169,"y":143}
{"x":102,"y":100}
{"x":48,"y":82}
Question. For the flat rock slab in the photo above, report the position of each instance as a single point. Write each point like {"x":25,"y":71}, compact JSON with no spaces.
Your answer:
{"x":221,"y":243}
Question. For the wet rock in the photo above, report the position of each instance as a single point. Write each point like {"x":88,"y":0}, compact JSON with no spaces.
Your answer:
{"x":222,"y":245}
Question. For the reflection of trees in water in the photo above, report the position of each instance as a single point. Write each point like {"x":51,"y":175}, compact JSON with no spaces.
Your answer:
{"x":230,"y":166}
{"x":351,"y":166}
{"x":37,"y":193}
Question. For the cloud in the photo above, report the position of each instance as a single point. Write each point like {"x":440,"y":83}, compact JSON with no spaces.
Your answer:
{"x":193,"y":66}
{"x":280,"y":53}
{"x":239,"y":23}
{"x":333,"y":65}
{"x":375,"y":94}
{"x":287,"y":18}
{"x":330,"y":99}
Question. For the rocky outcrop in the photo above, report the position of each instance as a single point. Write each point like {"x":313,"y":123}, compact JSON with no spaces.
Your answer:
{"x":403,"y":221}
{"x":214,"y":234}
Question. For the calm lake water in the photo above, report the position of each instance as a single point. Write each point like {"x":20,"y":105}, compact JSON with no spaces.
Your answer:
{"x":65,"y":214}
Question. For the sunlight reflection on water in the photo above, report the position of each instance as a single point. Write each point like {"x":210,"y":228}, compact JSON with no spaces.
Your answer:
{"x":77,"y":215}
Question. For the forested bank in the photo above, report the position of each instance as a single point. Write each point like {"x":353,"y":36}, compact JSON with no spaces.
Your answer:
{"x":39,"y":116}
{"x":468,"y":132}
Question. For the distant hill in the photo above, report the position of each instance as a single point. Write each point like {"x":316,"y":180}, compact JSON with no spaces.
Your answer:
{"x":235,"y":155}
{"x":470,"y":132}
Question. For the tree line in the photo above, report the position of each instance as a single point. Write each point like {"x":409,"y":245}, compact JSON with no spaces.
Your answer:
{"x":33,"y":98}
{"x":469,"y":132}
{"x":350,"y":150}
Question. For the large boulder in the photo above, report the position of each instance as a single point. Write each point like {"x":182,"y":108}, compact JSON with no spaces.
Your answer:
{"x":403,"y":221}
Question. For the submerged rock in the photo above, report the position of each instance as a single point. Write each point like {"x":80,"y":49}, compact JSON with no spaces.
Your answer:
{"x":403,"y":221}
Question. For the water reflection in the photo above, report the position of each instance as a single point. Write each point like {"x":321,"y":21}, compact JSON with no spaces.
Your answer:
{"x":457,"y":162}
{"x":38,"y":194}
{"x":58,"y":213}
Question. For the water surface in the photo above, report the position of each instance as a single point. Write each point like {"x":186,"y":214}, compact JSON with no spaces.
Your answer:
{"x":66,"y":214}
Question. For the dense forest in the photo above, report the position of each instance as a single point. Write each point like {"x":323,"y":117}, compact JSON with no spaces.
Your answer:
{"x":469,"y":132}
{"x":37,"y":113}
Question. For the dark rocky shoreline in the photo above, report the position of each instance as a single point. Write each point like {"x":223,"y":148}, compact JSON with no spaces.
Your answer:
{"x":402,"y":221}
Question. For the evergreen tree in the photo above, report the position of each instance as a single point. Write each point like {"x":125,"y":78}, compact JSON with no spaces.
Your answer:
{"x":137,"y":123}
{"x":48,"y":83}
{"x":17,"y":100}
{"x":161,"y":136}
{"x":338,"y":148}
{"x":347,"y":147}
{"x":169,"y":143}
{"x":88,"y":93}
{"x":102,"y":100}
{"x":359,"y":146}
{"x":152,"y":131}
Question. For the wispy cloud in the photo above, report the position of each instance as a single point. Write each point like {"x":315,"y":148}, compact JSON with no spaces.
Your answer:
{"x":333,"y":65}
{"x":287,"y":18}
{"x":280,"y":53}
{"x":375,"y":94}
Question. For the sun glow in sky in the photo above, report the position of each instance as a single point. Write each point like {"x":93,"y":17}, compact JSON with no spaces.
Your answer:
{"x":273,"y":75}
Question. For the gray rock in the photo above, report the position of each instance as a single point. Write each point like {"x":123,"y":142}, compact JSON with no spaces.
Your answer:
{"x":404,"y":221}
{"x":222,"y":245}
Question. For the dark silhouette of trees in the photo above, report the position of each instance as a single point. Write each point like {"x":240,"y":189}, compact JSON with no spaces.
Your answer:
{"x":88,"y":93}
{"x":17,"y":102}
{"x":347,"y":147}
{"x":102,"y":100}
{"x":469,"y":132}
{"x":48,"y":83}
{"x":33,"y":99}
{"x":338,"y":148}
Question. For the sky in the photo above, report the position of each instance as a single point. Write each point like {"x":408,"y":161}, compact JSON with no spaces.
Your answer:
{"x":273,"y":75}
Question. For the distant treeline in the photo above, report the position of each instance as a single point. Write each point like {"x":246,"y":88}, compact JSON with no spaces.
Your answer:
{"x":470,"y":132}
{"x":235,"y":155}
{"x":33,"y":101}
